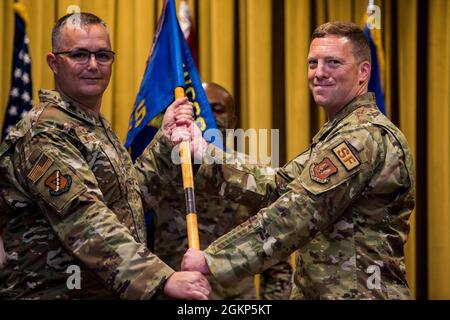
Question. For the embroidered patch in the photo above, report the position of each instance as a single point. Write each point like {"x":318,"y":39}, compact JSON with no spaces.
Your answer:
{"x":40,"y":168}
{"x":58,"y":183}
{"x":320,"y":172}
{"x":346,"y":156}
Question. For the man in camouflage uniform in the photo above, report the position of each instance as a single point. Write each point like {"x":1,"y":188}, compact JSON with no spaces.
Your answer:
{"x":344,"y":203}
{"x":70,"y":198}
{"x":216,"y":216}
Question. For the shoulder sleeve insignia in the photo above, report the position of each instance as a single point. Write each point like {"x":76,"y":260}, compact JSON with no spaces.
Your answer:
{"x":320,"y":172}
{"x":40,"y":168}
{"x":58,"y":183}
{"x":346,"y":156}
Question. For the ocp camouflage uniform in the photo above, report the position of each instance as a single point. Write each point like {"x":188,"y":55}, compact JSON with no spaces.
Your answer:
{"x":216,"y":216}
{"x":344,"y":203}
{"x":70,"y":195}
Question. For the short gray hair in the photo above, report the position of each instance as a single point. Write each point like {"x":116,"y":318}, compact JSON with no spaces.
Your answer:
{"x":81,"y":18}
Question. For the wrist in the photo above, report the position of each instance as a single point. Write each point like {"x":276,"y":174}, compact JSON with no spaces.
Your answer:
{"x":200,"y":151}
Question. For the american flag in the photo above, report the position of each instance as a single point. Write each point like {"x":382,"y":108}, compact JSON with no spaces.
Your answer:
{"x":20,"y":96}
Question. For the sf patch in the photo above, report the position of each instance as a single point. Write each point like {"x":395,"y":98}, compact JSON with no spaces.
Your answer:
{"x":320,"y":172}
{"x":57,"y":183}
{"x":346,"y":156}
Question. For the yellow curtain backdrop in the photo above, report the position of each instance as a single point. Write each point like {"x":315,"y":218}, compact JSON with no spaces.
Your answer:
{"x":407,"y":27}
{"x":439,"y":150}
{"x":237,"y":49}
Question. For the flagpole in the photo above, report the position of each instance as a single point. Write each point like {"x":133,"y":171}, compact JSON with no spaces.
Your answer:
{"x":188,"y":185}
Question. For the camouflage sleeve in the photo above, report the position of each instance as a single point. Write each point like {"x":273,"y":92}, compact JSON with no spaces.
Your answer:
{"x":238,"y":178}
{"x":2,"y":251}
{"x":276,"y":281}
{"x":156,"y":171}
{"x":335,"y":174}
{"x":67,"y":193}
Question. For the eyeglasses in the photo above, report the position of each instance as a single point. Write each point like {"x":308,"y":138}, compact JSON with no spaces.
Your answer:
{"x":82,"y":56}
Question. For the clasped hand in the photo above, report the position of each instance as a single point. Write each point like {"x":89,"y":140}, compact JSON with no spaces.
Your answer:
{"x":178,"y":125}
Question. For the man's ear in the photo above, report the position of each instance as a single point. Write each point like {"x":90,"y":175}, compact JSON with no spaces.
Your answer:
{"x":51,"y":61}
{"x":364,"y":72}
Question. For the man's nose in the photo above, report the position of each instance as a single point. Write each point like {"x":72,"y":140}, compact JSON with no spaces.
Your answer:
{"x":321,"y":71}
{"x":92,"y":63}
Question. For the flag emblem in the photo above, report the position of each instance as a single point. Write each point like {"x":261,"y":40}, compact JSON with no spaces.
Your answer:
{"x":40,"y":168}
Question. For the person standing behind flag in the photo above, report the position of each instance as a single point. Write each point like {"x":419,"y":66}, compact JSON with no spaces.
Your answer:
{"x":71,"y":200}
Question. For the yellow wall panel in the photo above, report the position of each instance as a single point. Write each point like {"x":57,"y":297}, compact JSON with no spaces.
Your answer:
{"x":222,"y":43}
{"x":439,"y":151}
{"x":298,"y":35}
{"x":205,"y":42}
{"x":407,"y":26}
{"x":259,"y":60}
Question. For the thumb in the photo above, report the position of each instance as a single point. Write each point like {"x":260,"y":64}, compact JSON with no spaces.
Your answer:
{"x":179,"y":102}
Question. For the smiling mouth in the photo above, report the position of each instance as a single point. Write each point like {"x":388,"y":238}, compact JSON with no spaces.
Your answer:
{"x":323,"y":85}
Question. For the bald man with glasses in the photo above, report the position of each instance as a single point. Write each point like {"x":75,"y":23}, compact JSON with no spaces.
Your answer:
{"x":71,"y":200}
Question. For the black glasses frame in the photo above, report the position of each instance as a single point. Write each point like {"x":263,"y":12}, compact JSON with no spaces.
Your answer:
{"x":90,"y":54}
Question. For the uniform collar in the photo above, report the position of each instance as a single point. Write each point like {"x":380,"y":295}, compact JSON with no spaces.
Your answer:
{"x":365,"y":99}
{"x":68,"y":105}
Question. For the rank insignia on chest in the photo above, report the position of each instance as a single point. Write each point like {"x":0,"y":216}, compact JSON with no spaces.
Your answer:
{"x":320,"y":172}
{"x":58,"y":183}
{"x":346,"y":156}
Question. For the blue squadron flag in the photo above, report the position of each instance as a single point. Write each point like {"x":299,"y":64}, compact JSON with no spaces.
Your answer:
{"x":170,"y":65}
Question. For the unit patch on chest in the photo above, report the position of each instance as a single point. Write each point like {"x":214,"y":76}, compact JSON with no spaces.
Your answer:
{"x":320,"y":172}
{"x":58,"y":183}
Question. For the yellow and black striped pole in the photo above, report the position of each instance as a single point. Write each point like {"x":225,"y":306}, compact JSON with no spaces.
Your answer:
{"x":188,"y":185}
